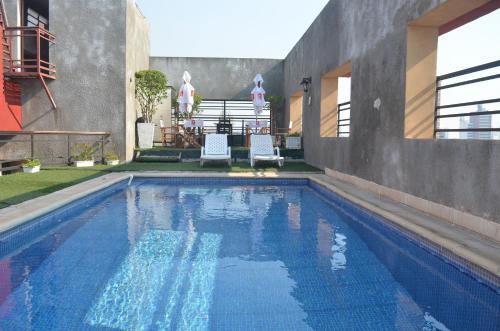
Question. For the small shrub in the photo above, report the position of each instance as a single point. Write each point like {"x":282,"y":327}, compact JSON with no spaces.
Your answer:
{"x":111,"y":156}
{"x":82,"y":152}
{"x":295,"y":134}
{"x":31,"y":163}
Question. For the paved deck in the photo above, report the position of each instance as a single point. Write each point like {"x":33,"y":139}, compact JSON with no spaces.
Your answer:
{"x":466,"y":244}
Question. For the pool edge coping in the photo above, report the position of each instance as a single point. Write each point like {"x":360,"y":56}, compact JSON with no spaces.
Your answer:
{"x":31,"y":209}
{"x":491,"y":267}
{"x":16,"y":215}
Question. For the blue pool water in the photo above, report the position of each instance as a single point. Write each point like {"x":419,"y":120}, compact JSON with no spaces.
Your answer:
{"x":197,"y":255}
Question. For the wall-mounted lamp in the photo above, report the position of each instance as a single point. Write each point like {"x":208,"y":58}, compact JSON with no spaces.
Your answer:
{"x":306,"y":82}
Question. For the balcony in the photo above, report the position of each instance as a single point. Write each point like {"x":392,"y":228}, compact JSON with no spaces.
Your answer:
{"x":31,"y":61}
{"x":21,"y":66}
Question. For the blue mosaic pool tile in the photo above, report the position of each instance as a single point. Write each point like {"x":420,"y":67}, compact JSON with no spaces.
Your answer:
{"x":222,"y":181}
{"x":28,"y":232}
{"x":357,"y":212}
{"x":319,"y":267}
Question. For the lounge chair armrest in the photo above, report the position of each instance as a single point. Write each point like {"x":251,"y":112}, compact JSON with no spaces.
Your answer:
{"x":202,"y":150}
{"x":229,"y":151}
{"x":277,"y":149}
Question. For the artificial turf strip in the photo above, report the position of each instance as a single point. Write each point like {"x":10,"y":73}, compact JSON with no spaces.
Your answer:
{"x":20,"y":187}
{"x":214,"y":166}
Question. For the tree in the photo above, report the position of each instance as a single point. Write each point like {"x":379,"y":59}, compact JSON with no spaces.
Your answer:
{"x":150,"y":89}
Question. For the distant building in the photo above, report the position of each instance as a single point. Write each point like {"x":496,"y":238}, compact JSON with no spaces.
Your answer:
{"x":464,"y":124}
{"x":478,"y":122}
{"x":442,"y":135}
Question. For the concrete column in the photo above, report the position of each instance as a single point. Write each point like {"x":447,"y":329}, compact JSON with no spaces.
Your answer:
{"x":329,"y":105}
{"x":421,"y":82}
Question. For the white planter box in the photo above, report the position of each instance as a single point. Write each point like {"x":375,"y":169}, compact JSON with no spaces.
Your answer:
{"x":145,"y":132}
{"x":112,"y":162}
{"x":294,"y":142}
{"x":31,"y":170}
{"x":81,"y":164}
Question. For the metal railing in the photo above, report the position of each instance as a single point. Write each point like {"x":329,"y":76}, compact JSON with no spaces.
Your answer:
{"x":440,"y":107}
{"x":69,"y":138}
{"x":344,"y":122}
{"x":228,"y":112}
{"x":30,"y":67}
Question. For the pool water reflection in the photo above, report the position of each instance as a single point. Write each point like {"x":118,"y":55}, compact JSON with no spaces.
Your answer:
{"x":158,"y":256}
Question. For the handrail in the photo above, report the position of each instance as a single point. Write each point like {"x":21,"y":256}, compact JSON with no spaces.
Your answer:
{"x":470,"y":70}
{"x":71,"y":133}
{"x":102,"y":140}
{"x":31,"y":28}
{"x":439,"y":107}
{"x":344,"y":106}
{"x":4,"y":14}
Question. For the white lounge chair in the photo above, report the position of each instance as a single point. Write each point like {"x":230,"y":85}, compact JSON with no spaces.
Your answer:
{"x":261,"y":149}
{"x":215,"y":149}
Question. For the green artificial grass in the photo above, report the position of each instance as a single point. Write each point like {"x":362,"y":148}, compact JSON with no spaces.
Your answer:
{"x":214,"y":166}
{"x":20,"y":187}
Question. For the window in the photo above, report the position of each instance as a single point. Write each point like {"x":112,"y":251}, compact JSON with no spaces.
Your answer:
{"x":35,"y":14}
{"x":335,"y":118}
{"x":35,"y":19}
{"x":428,"y":106}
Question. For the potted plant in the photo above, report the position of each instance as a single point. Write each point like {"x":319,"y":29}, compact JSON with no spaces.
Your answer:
{"x":83,"y":155}
{"x":31,"y":166}
{"x":150,"y":89}
{"x":294,"y":140}
{"x":111,"y":158}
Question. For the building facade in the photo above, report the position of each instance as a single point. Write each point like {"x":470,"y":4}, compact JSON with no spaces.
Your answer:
{"x":388,"y":48}
{"x":391,"y":128}
{"x":99,"y":46}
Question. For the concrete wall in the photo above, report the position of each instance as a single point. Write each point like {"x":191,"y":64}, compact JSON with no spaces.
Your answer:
{"x":137,"y":58}
{"x":222,"y":78}
{"x":163,"y":112}
{"x":96,"y":55}
{"x":457,"y":173}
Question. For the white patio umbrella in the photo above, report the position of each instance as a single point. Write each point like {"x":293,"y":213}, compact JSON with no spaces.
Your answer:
{"x":186,"y":94}
{"x":258,"y":96}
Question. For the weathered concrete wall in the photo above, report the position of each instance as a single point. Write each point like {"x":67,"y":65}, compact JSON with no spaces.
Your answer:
{"x":137,"y":58}
{"x":92,"y":80}
{"x":163,"y":112}
{"x":222,"y":78}
{"x":460,"y":174}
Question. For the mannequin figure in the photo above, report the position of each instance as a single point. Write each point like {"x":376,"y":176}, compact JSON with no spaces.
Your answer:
{"x":186,"y":94}
{"x":258,"y":95}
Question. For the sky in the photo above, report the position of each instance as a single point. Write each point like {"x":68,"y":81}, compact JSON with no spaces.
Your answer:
{"x":270,"y":28}
{"x":228,"y":28}
{"x":470,"y":45}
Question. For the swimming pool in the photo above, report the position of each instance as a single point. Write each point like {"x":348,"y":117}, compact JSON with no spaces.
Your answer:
{"x":213,"y":254}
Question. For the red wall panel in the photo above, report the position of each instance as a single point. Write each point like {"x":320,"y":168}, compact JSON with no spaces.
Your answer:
{"x":10,"y":100}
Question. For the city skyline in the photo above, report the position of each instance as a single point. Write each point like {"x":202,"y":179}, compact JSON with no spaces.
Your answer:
{"x":468,"y":46}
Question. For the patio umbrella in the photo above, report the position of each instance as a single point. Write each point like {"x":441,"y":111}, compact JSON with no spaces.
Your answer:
{"x":258,"y":95}
{"x":186,"y":94}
